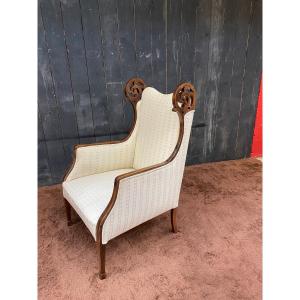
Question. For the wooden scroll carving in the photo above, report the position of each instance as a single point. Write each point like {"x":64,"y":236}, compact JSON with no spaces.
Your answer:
{"x":134,"y":89}
{"x":184,"y":98}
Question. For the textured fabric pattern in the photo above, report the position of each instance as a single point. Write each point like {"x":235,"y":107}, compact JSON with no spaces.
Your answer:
{"x":144,"y":196}
{"x":140,"y":197}
{"x":158,"y":130}
{"x":95,"y":159}
{"x":90,"y":195}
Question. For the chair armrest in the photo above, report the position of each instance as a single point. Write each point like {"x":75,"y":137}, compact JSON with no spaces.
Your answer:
{"x":143,"y":195}
{"x":97,"y":158}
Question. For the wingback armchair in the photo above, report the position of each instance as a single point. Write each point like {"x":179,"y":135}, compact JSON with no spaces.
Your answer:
{"x":117,"y":185}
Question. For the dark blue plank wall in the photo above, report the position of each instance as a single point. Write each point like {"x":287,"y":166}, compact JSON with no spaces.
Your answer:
{"x":88,"y":49}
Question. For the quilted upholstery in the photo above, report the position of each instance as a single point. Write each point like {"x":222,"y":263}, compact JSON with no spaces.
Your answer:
{"x":90,"y":195}
{"x":158,"y":131}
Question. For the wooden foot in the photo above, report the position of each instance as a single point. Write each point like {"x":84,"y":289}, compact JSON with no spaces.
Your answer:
{"x":174,"y":219}
{"x":101,"y":253}
{"x":68,"y":212}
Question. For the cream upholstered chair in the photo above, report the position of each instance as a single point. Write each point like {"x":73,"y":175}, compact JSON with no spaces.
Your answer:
{"x":117,"y":185}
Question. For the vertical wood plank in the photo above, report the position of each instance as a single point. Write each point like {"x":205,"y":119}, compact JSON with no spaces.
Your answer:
{"x":143,"y":28}
{"x":77,"y":63}
{"x":174,"y":27}
{"x":231,"y":81}
{"x":158,"y":45}
{"x":95,"y":66}
{"x":187,"y":56}
{"x":44,"y":171}
{"x":251,"y":80}
{"x":111,"y":47}
{"x":56,"y":49}
{"x":187,"y":41}
{"x":117,"y":102}
{"x":200,"y":69}
{"x":126,"y":24}
{"x":127,"y":49}
{"x":214,"y":72}
{"x":109,"y":23}
{"x":49,"y":112}
{"x":44,"y":174}
{"x":48,"y":107}
{"x":54,"y":34}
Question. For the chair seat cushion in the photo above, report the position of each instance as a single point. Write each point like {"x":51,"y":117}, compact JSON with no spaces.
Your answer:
{"x":90,"y":195}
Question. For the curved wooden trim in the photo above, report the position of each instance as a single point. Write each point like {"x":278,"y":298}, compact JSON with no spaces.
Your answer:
{"x":133,"y":92}
{"x":181,"y":112}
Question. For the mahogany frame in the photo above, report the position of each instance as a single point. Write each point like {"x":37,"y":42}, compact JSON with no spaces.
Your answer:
{"x":184,"y":100}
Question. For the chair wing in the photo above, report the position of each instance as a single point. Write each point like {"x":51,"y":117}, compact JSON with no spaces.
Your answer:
{"x":103,"y":157}
{"x":97,"y":158}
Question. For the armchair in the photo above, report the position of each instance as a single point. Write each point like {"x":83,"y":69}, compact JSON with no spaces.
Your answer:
{"x":117,"y":185}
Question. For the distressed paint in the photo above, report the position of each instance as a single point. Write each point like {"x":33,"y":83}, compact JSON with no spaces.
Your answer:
{"x":213,"y":74}
{"x":88,"y":49}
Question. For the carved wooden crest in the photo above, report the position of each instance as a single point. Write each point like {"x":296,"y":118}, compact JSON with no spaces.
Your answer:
{"x":134,"y":89}
{"x":184,"y":98}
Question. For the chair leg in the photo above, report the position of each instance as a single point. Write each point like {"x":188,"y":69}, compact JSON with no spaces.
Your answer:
{"x":174,"y":219}
{"x":68,"y":212}
{"x":101,"y":254}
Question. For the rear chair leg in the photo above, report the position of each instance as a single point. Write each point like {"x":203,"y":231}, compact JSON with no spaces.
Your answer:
{"x":101,"y":254}
{"x":174,"y":219}
{"x":68,"y":211}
